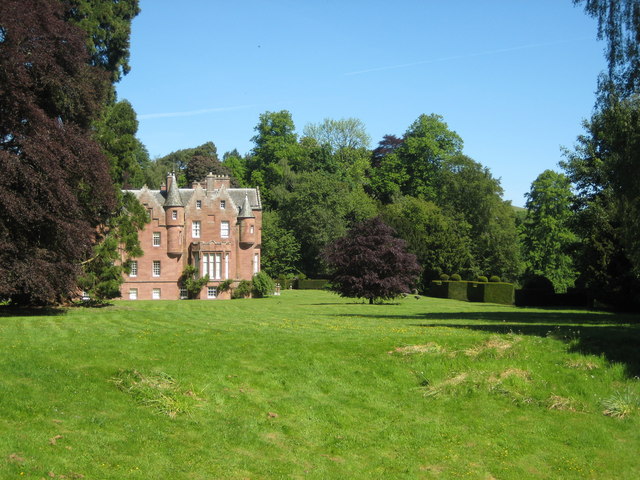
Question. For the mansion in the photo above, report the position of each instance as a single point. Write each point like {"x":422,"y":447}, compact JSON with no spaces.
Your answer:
{"x":211,"y":226}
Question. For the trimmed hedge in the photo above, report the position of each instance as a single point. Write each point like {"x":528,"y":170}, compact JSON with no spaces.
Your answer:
{"x":533,"y":297}
{"x":473,"y":291}
{"x":311,"y":284}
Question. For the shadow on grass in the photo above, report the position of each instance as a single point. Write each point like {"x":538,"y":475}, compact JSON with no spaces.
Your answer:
{"x":30,"y":311}
{"x":614,"y":336}
{"x":617,"y":343}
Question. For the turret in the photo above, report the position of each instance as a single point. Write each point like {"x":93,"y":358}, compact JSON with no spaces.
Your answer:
{"x":174,"y":216}
{"x":247,"y":223}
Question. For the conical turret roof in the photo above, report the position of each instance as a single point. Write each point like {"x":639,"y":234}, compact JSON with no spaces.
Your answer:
{"x":245,"y":209}
{"x":173,"y":195}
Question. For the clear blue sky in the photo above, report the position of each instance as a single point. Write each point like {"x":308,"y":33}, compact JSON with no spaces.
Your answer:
{"x":514,"y":78}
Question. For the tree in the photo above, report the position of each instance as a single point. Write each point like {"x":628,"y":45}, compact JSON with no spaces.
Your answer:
{"x":619,"y":24}
{"x":52,"y":198}
{"x":108,"y":27}
{"x":440,"y":243}
{"x":547,"y":236}
{"x":320,"y":208}
{"x":280,"y":248}
{"x":370,"y":262}
{"x":116,"y":132}
{"x":468,"y":191}
{"x":605,"y":169}
{"x":411,"y":167}
{"x":346,"y":133}
{"x":200,"y":166}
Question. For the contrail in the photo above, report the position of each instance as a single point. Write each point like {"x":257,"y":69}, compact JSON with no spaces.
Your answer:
{"x":458,"y":57}
{"x":192,"y":112}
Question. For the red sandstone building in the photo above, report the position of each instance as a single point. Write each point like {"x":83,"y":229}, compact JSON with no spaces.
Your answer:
{"x":212,"y":226}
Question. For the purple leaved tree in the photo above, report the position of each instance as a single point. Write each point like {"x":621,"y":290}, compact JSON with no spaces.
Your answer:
{"x":371,"y":262}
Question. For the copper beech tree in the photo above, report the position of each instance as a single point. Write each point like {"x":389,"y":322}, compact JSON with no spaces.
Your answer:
{"x":371,"y":262}
{"x":55,"y":187}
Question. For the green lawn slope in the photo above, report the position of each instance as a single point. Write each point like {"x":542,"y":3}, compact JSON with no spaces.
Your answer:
{"x":309,"y":385}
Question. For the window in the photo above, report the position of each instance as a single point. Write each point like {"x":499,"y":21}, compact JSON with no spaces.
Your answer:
{"x":211,"y":263}
{"x":256,"y":263}
{"x":226,"y":266}
{"x":155,"y":294}
{"x":251,"y":229}
{"x":211,"y":292}
{"x":195,"y":229}
{"x":174,"y":214}
{"x":198,"y":204}
{"x":133,"y":294}
{"x":224,"y":229}
{"x":156,"y":239}
{"x":183,"y":293}
{"x":156,"y":268}
{"x":133,"y":268}
{"x":223,"y":204}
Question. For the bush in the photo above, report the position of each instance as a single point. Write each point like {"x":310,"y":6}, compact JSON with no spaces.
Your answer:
{"x":312,"y":284}
{"x":225,"y":286}
{"x":444,"y":277}
{"x":243,"y":290}
{"x":539,"y":283}
{"x":482,"y":279}
{"x":494,"y":279}
{"x":263,"y":285}
{"x":455,"y":277}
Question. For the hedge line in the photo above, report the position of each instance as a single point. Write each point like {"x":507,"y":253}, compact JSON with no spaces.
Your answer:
{"x":473,"y":291}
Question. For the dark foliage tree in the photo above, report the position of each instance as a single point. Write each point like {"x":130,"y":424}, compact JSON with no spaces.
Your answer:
{"x":371,"y":262}
{"x":388,"y":145}
{"x":55,"y":187}
{"x":200,"y":166}
{"x":177,"y":162}
{"x":605,"y":166}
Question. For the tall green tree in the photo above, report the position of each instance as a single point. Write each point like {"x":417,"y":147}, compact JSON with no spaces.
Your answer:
{"x":467,"y":190}
{"x":280,"y":248}
{"x":320,"y":208}
{"x":412,"y":166}
{"x":108,"y":27}
{"x":547,"y":236}
{"x":116,"y":132}
{"x":441,"y":243}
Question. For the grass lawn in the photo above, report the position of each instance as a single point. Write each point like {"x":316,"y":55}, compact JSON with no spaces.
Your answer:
{"x":309,"y":385}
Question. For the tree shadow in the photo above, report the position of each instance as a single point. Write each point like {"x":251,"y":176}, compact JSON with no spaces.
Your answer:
{"x":614,"y":336}
{"x":9,"y":311}
{"x":617,"y":343}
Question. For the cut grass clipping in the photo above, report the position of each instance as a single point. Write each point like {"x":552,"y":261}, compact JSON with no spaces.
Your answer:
{"x":158,"y":391}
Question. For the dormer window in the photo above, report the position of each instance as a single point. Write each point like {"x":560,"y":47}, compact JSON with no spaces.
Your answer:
{"x":223,"y":204}
{"x":198,"y":204}
{"x":174,"y":214}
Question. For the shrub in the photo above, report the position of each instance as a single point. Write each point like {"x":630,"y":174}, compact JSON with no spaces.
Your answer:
{"x":482,"y":279}
{"x":444,"y":277}
{"x":225,"y":286}
{"x":538,"y":282}
{"x":243,"y":290}
{"x":191,"y":283}
{"x":494,"y":278}
{"x":263,"y":285}
{"x":455,"y":277}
